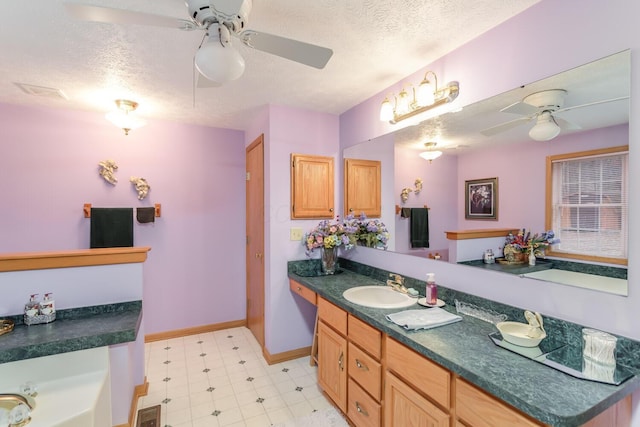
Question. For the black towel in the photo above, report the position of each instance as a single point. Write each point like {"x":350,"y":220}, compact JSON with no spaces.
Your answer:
{"x":405,"y":213}
{"x":145,"y":215}
{"x":111,"y":227}
{"x":419,"y":228}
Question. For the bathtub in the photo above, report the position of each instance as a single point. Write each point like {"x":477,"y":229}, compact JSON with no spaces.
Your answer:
{"x":73,"y":388}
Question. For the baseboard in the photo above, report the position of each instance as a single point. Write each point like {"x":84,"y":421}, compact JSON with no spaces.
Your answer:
{"x":177,"y":333}
{"x":139,"y":391}
{"x":287,"y":355}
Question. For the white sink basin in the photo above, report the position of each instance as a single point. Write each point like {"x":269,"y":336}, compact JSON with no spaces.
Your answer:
{"x":378,"y":297}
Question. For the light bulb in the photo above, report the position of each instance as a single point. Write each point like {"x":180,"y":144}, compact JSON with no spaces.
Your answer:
{"x":425,"y":93}
{"x":386,"y":111}
{"x":545,"y":128}
{"x":404,"y":103}
{"x":217,"y":59}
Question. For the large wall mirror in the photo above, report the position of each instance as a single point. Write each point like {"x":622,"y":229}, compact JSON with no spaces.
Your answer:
{"x":491,"y":139}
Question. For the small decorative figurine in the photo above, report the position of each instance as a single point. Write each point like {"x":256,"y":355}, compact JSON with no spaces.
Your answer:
{"x":418,"y":185}
{"x":141,"y":185}
{"x":405,"y":194}
{"x":107,"y":169}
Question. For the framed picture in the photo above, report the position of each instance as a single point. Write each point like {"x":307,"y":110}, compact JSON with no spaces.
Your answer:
{"x":481,"y":199}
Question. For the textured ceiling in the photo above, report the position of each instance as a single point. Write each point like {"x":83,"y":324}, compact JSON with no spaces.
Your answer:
{"x":375,"y":42}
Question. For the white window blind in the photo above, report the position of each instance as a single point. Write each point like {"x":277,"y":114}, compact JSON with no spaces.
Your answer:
{"x":589,"y":211}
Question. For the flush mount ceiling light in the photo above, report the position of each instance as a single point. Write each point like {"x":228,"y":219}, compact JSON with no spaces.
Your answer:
{"x":545,"y":128}
{"x":217,"y":59}
{"x":121,"y":117}
{"x":430,"y":154}
{"x":426,"y":97}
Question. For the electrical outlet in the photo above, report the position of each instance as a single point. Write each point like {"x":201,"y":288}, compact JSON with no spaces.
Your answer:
{"x":295,"y":234}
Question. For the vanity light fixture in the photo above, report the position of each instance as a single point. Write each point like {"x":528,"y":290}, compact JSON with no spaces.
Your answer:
{"x":426,"y":97}
{"x":121,"y":117}
{"x":545,"y":128}
{"x":430,"y":154}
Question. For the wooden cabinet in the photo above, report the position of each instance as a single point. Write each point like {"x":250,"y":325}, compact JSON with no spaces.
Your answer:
{"x":312,"y":186}
{"x":476,"y":408}
{"x":332,"y":361}
{"x":406,"y":407}
{"x":303,"y":291}
{"x":362,"y":187}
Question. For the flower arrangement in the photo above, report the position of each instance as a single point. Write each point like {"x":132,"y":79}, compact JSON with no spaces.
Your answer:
{"x":524,"y":242}
{"x":372,"y":233}
{"x":330,"y":234}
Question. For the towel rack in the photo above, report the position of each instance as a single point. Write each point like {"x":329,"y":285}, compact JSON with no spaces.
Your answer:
{"x":399,"y":209}
{"x":86,"y":208}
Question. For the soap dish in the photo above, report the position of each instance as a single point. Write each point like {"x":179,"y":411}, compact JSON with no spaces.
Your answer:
{"x":423,"y":302}
{"x":521,"y":334}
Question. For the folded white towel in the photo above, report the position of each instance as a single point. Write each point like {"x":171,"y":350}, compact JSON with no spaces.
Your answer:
{"x":423,"y":318}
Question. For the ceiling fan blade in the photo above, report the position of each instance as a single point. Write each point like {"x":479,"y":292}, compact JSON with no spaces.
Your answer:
{"x":566,"y":124}
{"x":494,"y":130}
{"x":521,"y":108}
{"x":294,"y":50}
{"x":589,"y":104}
{"x":85,"y":12}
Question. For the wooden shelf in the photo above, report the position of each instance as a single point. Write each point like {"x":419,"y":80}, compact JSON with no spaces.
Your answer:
{"x":479,"y":233}
{"x":74,"y":258}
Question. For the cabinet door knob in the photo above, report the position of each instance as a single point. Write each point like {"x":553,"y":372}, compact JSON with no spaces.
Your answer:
{"x":330,"y":209}
{"x":350,"y":209}
{"x":361,"y":409}
{"x":361,"y":365}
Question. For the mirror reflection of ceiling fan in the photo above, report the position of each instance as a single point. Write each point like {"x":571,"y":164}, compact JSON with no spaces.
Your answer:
{"x":216,"y":59}
{"x":543,"y":107}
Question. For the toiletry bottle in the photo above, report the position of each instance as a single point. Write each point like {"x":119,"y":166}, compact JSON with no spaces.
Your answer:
{"x":32,"y":307}
{"x":431,"y":290}
{"x":48,"y":305}
{"x":532,"y":257}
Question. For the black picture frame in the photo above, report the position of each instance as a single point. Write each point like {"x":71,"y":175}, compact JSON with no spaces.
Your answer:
{"x":481,"y":199}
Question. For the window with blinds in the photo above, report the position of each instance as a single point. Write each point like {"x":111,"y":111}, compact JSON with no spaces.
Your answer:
{"x":589,"y":204}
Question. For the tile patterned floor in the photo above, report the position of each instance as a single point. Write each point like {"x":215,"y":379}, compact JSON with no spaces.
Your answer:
{"x":221,"y":379}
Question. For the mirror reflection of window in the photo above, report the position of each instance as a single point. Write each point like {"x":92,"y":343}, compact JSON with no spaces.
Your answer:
{"x":588,"y":210}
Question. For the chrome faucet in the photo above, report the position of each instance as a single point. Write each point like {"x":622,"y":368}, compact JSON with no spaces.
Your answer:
{"x":396,"y":281}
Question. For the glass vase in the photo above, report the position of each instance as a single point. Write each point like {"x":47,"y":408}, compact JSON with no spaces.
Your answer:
{"x":329,"y":259}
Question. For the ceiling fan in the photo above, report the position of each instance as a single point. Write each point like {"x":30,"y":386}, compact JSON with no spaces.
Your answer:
{"x":216,"y":59}
{"x":542,"y":107}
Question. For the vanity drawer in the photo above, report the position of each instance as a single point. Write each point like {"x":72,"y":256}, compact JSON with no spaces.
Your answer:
{"x":479,"y":409}
{"x":332,"y":315}
{"x":367,"y":337}
{"x":365,"y":371}
{"x":421,"y":373}
{"x":304,"y":292}
{"x":362,"y":410}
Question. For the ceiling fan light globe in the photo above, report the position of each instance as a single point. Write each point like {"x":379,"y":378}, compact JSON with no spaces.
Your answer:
{"x":545,"y":129}
{"x":218,"y":63}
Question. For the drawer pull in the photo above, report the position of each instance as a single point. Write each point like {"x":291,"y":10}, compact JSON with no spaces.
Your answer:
{"x":340,"y":360}
{"x":361,"y":410}
{"x":361,"y":365}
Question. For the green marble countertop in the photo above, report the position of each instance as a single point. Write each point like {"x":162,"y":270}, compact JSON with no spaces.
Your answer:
{"x":73,"y":329}
{"x":464,"y":348}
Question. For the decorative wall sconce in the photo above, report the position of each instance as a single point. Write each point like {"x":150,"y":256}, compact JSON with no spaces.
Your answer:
{"x":430,"y":154}
{"x":426,"y":97}
{"x":121,"y":117}
{"x":418,"y":185}
{"x":404,"y":194}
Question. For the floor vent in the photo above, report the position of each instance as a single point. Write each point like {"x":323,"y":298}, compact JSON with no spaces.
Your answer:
{"x":149,"y":417}
{"x":48,"y":92}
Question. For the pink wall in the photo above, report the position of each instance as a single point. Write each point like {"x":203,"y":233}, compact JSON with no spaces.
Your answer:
{"x":520,"y":169}
{"x":195,"y":273}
